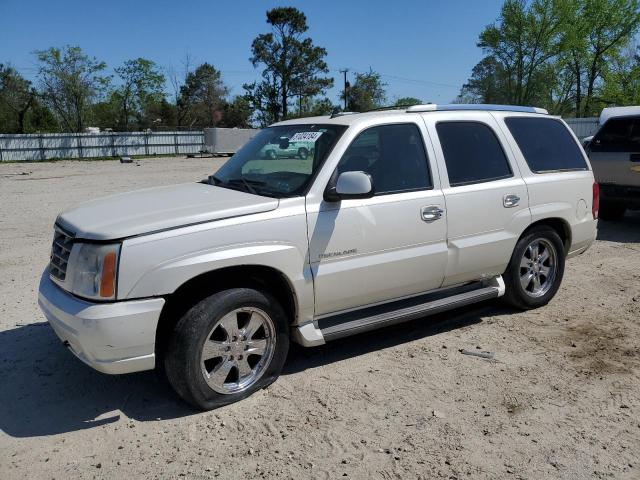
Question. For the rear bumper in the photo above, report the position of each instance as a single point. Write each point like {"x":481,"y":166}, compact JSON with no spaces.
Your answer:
{"x":583,"y":235}
{"x":112,"y":338}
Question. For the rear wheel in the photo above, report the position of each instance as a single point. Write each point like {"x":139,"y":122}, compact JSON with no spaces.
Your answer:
{"x":226,"y":347}
{"x":536,"y":269}
{"x":303,"y":153}
{"x":611,"y":210}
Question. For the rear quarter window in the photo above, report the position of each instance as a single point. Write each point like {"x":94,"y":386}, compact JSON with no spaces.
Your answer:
{"x":546,"y":144}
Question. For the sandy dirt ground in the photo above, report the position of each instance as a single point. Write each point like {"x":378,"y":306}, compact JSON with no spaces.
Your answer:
{"x":560,"y":400}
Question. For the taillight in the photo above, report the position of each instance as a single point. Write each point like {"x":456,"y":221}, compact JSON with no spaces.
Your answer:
{"x":595,"y":204}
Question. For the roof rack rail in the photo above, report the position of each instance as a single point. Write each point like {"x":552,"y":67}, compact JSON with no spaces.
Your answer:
{"x":475,"y":106}
{"x":342,"y":114}
{"x":390,"y":107}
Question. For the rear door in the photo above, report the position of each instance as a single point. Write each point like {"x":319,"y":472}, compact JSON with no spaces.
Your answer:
{"x":486,"y":198}
{"x":615,"y":152}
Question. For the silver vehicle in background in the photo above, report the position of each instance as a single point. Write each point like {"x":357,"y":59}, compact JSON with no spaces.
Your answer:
{"x":614,"y":152}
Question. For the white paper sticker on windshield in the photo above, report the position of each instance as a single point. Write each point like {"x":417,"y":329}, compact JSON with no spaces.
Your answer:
{"x":305,"y":137}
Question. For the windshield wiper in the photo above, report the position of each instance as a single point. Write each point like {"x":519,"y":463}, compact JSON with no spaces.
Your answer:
{"x":247,"y":183}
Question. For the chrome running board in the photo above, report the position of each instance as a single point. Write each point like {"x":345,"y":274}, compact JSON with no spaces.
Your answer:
{"x":370,"y":318}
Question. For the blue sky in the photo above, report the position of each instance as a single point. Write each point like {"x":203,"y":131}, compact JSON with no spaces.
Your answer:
{"x":425,"y":49}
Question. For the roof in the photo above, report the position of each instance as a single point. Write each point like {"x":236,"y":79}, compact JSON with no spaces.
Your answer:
{"x":614,"y":112}
{"x":347,"y":118}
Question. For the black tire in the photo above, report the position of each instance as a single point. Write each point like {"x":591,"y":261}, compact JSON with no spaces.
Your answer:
{"x":271,"y":154}
{"x":182,"y":359}
{"x":611,"y":210}
{"x":515,"y":293}
{"x":303,"y":153}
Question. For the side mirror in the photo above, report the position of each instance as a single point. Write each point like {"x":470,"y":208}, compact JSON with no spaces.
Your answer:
{"x":350,"y":185}
{"x":586,"y":142}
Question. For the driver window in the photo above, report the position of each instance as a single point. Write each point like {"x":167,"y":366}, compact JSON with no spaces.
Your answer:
{"x":394,"y":156}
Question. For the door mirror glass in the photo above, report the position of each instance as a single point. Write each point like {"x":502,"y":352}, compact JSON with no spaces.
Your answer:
{"x":351,"y":185}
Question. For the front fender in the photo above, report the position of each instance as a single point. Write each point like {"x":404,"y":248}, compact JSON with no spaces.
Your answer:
{"x":158,"y":264}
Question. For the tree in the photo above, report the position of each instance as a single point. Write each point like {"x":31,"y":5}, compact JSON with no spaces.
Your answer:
{"x":70,"y":82}
{"x":16,"y":99}
{"x":264,"y":99}
{"x":552,"y":53}
{"x":621,"y":81}
{"x":236,"y":114}
{"x":293,"y":65}
{"x":525,"y":38}
{"x":366,"y":93}
{"x":487,"y":84}
{"x":594,"y":37}
{"x":406,"y":101}
{"x":201,"y":97}
{"x":20,"y":108}
{"x":142,"y":86}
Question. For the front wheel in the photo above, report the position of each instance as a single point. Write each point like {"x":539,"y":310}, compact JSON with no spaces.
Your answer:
{"x":536,"y":269}
{"x":226,"y":347}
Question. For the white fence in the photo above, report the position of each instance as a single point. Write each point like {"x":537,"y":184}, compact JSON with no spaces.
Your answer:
{"x":48,"y":146}
{"x":583,"y":127}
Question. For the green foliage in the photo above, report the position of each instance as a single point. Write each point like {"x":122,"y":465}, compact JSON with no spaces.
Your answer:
{"x":142,"y":88}
{"x":366,"y":93}
{"x":236,"y":114}
{"x":621,"y":82}
{"x":292,"y":66}
{"x":16,"y":99}
{"x":598,"y":32}
{"x":558,"y":54}
{"x":405,"y":101}
{"x":526,"y":37}
{"x":20,"y":108}
{"x":70,"y":82}
{"x":201,"y":97}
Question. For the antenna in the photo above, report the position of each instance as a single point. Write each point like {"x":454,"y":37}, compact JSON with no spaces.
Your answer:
{"x":346,"y":85}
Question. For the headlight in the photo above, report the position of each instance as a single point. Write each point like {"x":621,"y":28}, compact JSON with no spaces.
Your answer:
{"x":93,"y":269}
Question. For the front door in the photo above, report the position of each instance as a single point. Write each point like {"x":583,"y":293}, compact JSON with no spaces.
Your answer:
{"x":365,"y":251}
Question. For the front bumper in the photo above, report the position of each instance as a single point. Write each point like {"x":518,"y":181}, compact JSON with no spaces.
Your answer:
{"x":113,"y":338}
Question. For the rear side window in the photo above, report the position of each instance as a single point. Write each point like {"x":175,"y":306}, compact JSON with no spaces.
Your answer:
{"x":472,"y":153}
{"x":618,"y":135}
{"x":546,"y":144}
{"x":393,"y":155}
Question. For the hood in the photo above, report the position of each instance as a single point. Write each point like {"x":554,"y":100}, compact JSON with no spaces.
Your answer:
{"x":159,"y":208}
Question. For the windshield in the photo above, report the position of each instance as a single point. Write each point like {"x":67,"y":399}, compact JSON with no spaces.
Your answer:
{"x":279,"y":161}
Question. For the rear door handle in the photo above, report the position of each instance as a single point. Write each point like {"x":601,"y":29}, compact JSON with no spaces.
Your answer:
{"x":510,"y":200}
{"x":431,"y":213}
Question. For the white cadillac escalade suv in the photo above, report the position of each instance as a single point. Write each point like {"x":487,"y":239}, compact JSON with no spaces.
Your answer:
{"x":394,"y":216}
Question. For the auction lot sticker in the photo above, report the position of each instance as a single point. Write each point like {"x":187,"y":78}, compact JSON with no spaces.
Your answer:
{"x":305,"y":137}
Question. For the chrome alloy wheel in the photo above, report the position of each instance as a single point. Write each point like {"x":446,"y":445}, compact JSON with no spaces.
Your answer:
{"x":238,"y":350}
{"x":538,"y":267}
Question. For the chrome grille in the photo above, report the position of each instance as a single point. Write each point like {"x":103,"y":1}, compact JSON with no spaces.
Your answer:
{"x":60,"y":251}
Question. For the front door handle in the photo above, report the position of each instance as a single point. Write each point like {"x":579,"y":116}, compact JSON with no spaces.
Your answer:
{"x":510,"y":200}
{"x":431,"y":213}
